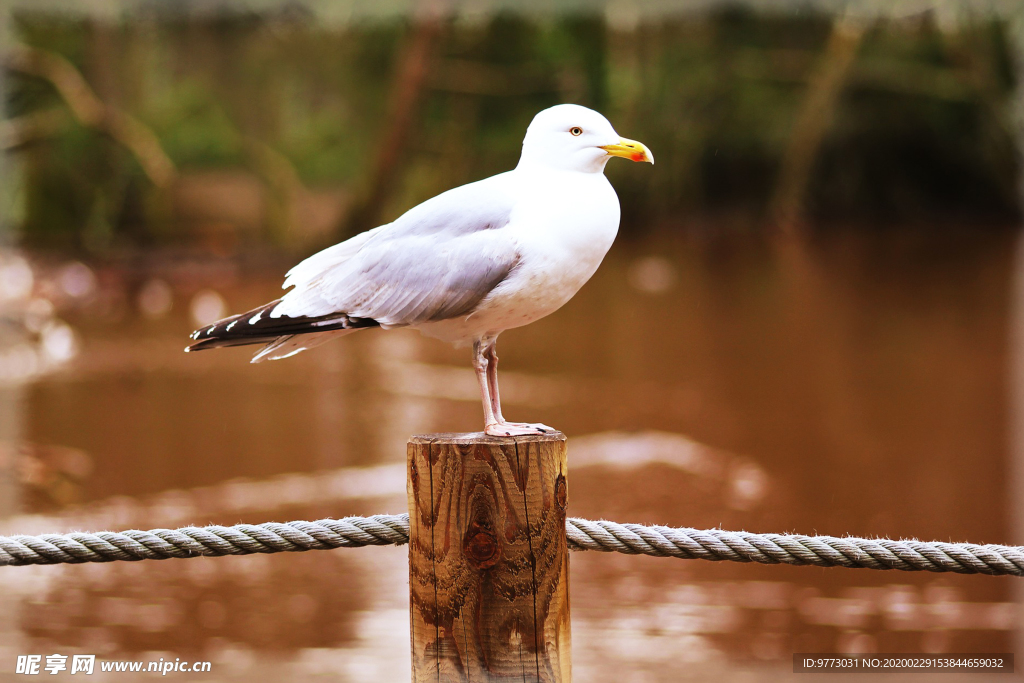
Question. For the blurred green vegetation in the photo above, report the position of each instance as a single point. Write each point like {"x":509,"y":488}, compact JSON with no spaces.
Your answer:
{"x":921,"y":130}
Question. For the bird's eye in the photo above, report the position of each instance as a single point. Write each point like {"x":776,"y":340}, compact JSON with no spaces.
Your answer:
{"x":576,"y":130}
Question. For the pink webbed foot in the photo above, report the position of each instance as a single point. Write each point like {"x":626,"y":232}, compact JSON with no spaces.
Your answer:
{"x":542,"y":428}
{"x":516,"y":429}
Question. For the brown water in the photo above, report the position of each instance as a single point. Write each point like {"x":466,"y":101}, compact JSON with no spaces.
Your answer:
{"x":857,"y":385}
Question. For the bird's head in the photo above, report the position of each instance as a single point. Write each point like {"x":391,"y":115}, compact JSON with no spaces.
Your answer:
{"x":574,"y":138}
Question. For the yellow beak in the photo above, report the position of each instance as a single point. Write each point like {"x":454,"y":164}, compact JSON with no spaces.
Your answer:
{"x":629,"y":149}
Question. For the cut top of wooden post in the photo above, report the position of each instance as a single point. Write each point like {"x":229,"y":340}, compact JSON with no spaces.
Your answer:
{"x":469,"y":438}
{"x":488,"y":560}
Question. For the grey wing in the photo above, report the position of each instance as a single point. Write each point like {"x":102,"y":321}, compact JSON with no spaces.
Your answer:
{"x":438,"y":261}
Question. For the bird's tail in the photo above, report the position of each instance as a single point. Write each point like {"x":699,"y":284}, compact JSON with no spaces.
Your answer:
{"x":291,"y":344}
{"x":283,"y":336}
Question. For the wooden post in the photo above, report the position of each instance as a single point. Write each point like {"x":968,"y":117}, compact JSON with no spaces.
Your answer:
{"x":488,"y":561}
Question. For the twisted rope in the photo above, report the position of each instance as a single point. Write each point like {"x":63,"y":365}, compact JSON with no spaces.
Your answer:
{"x":819,"y":551}
{"x":241,"y":539}
{"x":582,"y":534}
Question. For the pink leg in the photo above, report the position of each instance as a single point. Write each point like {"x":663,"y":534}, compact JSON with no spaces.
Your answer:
{"x":480,"y":365}
{"x":485,"y":360}
{"x":491,"y":355}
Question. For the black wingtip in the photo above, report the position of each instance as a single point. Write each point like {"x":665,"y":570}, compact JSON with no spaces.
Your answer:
{"x":253,"y":327}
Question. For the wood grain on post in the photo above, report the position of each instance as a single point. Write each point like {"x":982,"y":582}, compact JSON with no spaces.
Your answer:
{"x":488,"y":561}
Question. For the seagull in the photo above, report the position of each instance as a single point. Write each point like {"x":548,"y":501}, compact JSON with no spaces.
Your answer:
{"x":465,"y":265}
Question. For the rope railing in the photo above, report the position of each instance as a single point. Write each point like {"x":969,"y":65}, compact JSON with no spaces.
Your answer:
{"x":582,"y":534}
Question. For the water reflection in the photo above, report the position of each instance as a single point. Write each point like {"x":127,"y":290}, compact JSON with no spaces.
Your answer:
{"x":851,"y":386}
